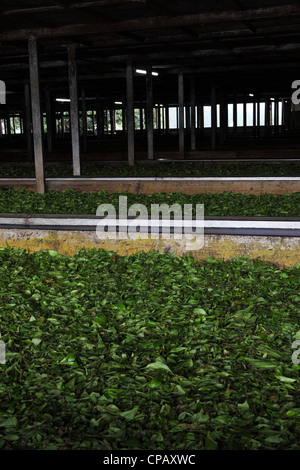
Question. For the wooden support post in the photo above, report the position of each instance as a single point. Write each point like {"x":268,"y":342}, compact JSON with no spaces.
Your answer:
{"x":149,"y":119}
{"x":258,"y":115}
{"x":181,"y":113}
{"x":223,"y":118}
{"x":14,"y":124}
{"x":124,"y":119}
{"x":105,"y":119}
{"x":159,"y":118}
{"x":276,"y":116}
{"x":36,"y":115}
{"x":200,"y":117}
{"x":74,"y":116}
{"x":271,"y":114}
{"x":163,"y":120}
{"x":235,"y":114}
{"x":141,"y":119}
{"x":130,"y":113}
{"x":282,"y":115}
{"x":167,"y":122}
{"x":99,"y":117}
{"x":49,"y":119}
{"x":28,"y":123}
{"x":285,"y":115}
{"x":288,"y":115}
{"x":112,"y":120}
{"x":267,"y":116}
{"x":53,"y":120}
{"x":62,"y":124}
{"x":245,"y":101}
{"x":213,"y":117}
{"x":188,"y":121}
{"x":8,"y":125}
{"x":193,"y":113}
{"x":123,"y":113}
{"x":156,"y":117}
{"x":254,"y":116}
{"x":93,"y":122}
{"x":84,"y":120}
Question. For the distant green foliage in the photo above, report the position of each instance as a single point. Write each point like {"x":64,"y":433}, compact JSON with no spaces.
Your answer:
{"x":163,"y":169}
{"x":151,"y":352}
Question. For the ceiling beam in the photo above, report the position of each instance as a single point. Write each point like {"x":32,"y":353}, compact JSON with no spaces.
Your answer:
{"x":155,"y":22}
{"x":163,"y":10}
{"x":237,"y":4}
{"x":249,"y":53}
{"x":60,"y":5}
{"x":99,"y":3}
{"x":210,"y":53}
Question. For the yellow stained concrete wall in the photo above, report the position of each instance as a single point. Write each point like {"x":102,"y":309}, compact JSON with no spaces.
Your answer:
{"x":283,"y":251}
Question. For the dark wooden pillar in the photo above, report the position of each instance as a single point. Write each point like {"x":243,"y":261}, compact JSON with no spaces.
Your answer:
{"x":28,"y":123}
{"x":130,"y":113}
{"x":84,"y":120}
{"x":74,"y":116}
{"x":112,"y":120}
{"x":288,"y":114}
{"x":245,"y":101}
{"x":123,"y":114}
{"x":254,"y":116}
{"x":213,"y":117}
{"x":49,"y":119}
{"x":141,"y":119}
{"x":276,"y":115}
{"x":193,"y":113}
{"x":124,"y":120}
{"x":235,"y":100}
{"x":62,"y":124}
{"x":282,"y":115}
{"x":200,"y":117}
{"x":258,"y":115}
{"x":8,"y":125}
{"x":149,"y":118}
{"x":159,"y":118}
{"x":181,"y":114}
{"x":267,"y":116}
{"x":36,"y":115}
{"x":167,"y":121}
{"x":188,"y":122}
{"x":99,"y":117}
{"x":223,"y":118}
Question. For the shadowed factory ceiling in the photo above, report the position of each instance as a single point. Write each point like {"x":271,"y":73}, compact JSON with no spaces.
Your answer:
{"x":236,"y":41}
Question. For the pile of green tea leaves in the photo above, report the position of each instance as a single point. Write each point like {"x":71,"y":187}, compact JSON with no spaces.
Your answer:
{"x":160,"y":169}
{"x":84,"y":202}
{"x":149,"y":352}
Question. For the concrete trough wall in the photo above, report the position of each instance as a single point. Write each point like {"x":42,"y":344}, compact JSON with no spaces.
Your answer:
{"x":150,"y":185}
